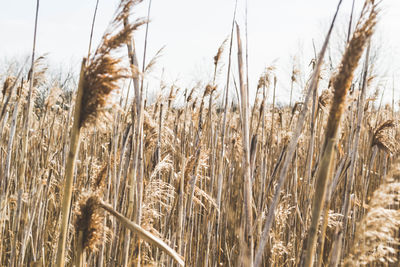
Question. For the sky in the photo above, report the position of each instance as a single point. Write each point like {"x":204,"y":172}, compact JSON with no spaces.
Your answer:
{"x":192,"y":31}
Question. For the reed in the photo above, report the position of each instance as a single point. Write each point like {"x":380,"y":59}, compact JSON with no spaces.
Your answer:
{"x":69,"y":170}
{"x":200,"y":176}
{"x":341,"y":85}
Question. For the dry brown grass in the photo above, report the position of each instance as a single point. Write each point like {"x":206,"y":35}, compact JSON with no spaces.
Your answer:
{"x":188,"y":166}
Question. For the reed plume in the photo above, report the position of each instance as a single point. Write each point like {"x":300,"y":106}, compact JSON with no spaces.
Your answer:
{"x":88,"y":227}
{"x":99,"y":77}
{"x":7,"y":86}
{"x":383,"y":139}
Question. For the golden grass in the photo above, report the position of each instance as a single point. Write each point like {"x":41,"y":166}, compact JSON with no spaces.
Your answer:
{"x":185,"y":180}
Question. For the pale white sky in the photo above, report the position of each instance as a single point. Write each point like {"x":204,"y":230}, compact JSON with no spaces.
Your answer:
{"x":192,"y":31}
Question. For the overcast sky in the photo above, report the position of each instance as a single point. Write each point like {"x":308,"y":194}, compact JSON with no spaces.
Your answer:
{"x":192,"y":31}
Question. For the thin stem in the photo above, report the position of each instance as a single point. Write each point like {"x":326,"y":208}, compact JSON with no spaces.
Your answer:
{"x":92,"y":28}
{"x":69,"y":171}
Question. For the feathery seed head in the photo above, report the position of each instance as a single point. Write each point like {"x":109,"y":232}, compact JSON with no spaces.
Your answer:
{"x":90,"y":221}
{"x":209,"y":90}
{"x":266,"y":78}
{"x":8,"y":85}
{"x":325,"y":98}
{"x":103,"y":71}
{"x":217,"y":57}
{"x":384,"y":139}
{"x":342,"y":81}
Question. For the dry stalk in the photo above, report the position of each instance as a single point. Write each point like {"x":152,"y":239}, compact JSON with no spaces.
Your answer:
{"x":292,"y":147}
{"x":341,"y":86}
{"x":248,"y":236}
{"x":69,"y":169}
{"x":145,"y":235}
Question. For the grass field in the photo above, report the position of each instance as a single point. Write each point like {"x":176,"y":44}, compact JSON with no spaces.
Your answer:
{"x":93,"y":175}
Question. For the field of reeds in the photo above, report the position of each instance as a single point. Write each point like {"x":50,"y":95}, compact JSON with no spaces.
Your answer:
{"x":93,"y":175}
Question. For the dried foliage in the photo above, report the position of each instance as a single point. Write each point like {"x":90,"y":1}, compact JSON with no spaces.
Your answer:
{"x":376,"y":239}
{"x":189,"y":194}
{"x":104,"y":71}
{"x":89,"y":221}
{"x":221,"y":49}
{"x":325,"y":99}
{"x":7,"y":86}
{"x":383,"y":137}
{"x":342,"y":81}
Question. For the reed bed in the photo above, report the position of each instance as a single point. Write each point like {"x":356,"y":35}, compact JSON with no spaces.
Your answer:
{"x":197,"y":178}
